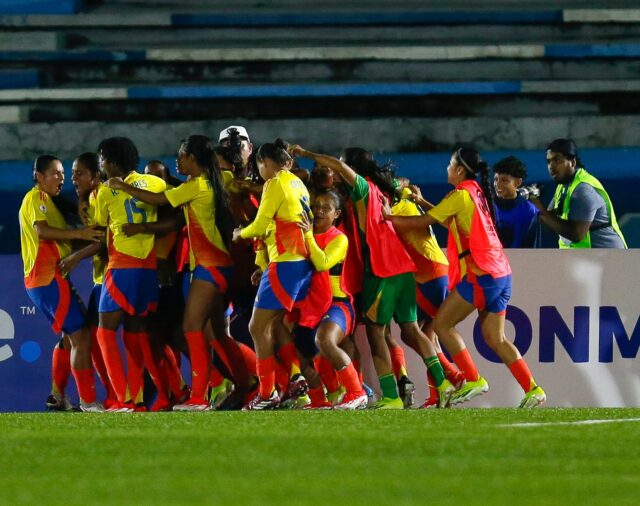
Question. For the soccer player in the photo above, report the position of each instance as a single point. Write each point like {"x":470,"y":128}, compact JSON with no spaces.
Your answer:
{"x":388,"y":287}
{"x":206,"y":207}
{"x":87,"y":178}
{"x":44,"y":240}
{"x":479,"y":274}
{"x":130,"y":290}
{"x":517,"y":220}
{"x":581,"y":212}
{"x":431,"y":289}
{"x":328,"y":308}
{"x":286,"y":279}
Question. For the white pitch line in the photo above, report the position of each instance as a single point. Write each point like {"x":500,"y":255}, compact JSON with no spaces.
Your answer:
{"x":578,"y":422}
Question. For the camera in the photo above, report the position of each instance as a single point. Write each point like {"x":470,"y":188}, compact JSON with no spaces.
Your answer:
{"x":530,"y":191}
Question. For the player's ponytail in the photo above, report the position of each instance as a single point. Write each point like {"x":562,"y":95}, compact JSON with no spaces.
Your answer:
{"x":278,"y":151}
{"x":363,"y":163}
{"x":201,"y":147}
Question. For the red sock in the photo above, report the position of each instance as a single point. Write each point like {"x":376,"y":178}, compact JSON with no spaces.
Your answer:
{"x":327,"y":373}
{"x":282,"y":378}
{"x":135,"y":366}
{"x":288,"y":355}
{"x":215,"y":378}
{"x":113,"y":362}
{"x":99,"y":365}
{"x":398,"y":361}
{"x":348,"y":377}
{"x":86,"y":385}
{"x":200,"y":355}
{"x":230,"y":354}
{"x":522,"y":374}
{"x":60,"y":370}
{"x":266,"y":374}
{"x":249,"y":358}
{"x":317,"y":395}
{"x":466,"y":365}
{"x":450,"y":371}
{"x":152,"y":367}
{"x":433,"y":389}
{"x":172,"y":371}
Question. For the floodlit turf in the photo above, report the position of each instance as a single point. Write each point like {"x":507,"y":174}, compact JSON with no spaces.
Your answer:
{"x":457,"y":456}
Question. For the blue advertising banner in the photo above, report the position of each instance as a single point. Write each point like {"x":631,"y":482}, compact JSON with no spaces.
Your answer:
{"x":27,"y":340}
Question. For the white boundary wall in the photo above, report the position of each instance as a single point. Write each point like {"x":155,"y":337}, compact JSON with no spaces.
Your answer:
{"x":570,"y":301}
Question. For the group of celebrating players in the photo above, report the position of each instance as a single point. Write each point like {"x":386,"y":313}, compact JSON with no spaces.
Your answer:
{"x":258,"y":272}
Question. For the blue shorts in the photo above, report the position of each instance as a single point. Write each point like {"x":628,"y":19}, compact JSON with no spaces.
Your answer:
{"x":485,"y":292}
{"x":60,"y":303}
{"x":134,"y":291}
{"x":430,"y":296}
{"x":283,"y":284}
{"x":341,"y":313}
{"x":218,"y":276}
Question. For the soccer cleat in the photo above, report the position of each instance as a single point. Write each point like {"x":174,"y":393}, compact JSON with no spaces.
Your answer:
{"x":193,"y":405}
{"x":55,"y":403}
{"x":221,"y":393}
{"x":323,"y":404}
{"x":533,"y":398}
{"x":260,"y":404}
{"x":91,"y":407}
{"x":160,"y":405}
{"x":470,"y":390}
{"x":370,"y":394}
{"x":445,"y":391}
{"x":457,"y":380}
{"x":353,"y":401}
{"x":120,"y":407}
{"x":407,"y":390}
{"x":431,"y":402}
{"x":336,"y":397}
{"x":388,"y":403}
{"x":140,"y":408}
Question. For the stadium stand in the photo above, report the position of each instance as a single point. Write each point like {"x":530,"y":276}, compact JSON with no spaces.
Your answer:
{"x":411,"y":76}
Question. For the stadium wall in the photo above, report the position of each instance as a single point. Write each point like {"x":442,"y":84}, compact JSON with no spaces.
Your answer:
{"x":574,"y":315}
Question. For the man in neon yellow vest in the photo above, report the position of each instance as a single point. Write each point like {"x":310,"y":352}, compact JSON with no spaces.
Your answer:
{"x":581,"y":212}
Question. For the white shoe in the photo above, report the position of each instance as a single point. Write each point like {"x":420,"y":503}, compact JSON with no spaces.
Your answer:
{"x":188,"y":406}
{"x":91,"y":407}
{"x":350,"y":403}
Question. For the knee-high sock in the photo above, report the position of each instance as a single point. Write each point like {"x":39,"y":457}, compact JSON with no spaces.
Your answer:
{"x":113,"y":362}
{"x":172,"y":374}
{"x":267,"y":376}
{"x":288,"y":355}
{"x":200,"y":356}
{"x":349,"y":379}
{"x":398,"y":361}
{"x":230,"y":354}
{"x":450,"y":371}
{"x":152,"y":367}
{"x":60,"y":370}
{"x":327,"y":373}
{"x":99,"y":365}
{"x":86,"y":385}
{"x":135,"y":366}
{"x":466,"y":365}
{"x":522,"y":374}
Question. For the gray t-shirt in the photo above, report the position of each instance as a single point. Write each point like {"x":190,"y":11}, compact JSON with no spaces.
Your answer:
{"x":587,"y":205}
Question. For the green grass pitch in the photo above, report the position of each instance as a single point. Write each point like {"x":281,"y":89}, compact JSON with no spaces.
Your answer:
{"x":455,"y":456}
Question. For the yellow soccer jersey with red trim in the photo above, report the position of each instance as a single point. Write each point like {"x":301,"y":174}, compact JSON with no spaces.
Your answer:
{"x":99,"y":265}
{"x":421,"y":244}
{"x":40,"y":257}
{"x":284,"y":199}
{"x":456,"y":212}
{"x":198,"y":199}
{"x":114,"y":208}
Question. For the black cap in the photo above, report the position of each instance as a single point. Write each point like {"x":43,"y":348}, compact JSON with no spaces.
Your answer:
{"x":565,"y":146}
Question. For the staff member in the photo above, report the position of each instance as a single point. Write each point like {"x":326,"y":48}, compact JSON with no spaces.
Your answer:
{"x":581,"y":212}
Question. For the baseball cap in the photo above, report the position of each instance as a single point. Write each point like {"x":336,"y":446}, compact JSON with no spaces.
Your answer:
{"x":224,"y":133}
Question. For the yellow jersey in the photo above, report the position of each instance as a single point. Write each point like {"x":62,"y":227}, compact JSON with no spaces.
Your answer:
{"x":114,"y":208}
{"x":205,"y":240}
{"x":284,"y":199}
{"x":99,"y":265}
{"x":40,"y":257}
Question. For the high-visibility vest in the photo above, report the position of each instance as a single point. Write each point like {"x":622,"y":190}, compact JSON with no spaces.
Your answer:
{"x":582,"y":176}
